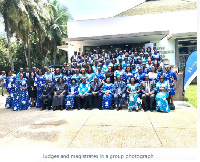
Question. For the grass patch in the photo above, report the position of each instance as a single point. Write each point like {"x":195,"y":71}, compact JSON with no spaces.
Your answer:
{"x":191,"y":94}
{"x":1,"y":91}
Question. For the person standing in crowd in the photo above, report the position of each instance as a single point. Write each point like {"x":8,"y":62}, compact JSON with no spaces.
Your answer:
{"x":127,"y":74}
{"x":145,"y":58}
{"x":100,"y":75}
{"x":21,"y":99}
{"x":83,"y":91}
{"x":32,"y":89}
{"x":107,"y":90}
{"x":59,"y":91}
{"x":46,"y":95}
{"x":162,"y":88}
{"x":105,"y":66}
{"x":75,"y":56}
{"x":144,"y":68}
{"x":133,"y":89}
{"x":26,"y":73}
{"x":9,"y":85}
{"x":171,"y":77}
{"x":109,"y":74}
{"x":56,"y":76}
{"x":139,"y":75}
{"x":83,"y":73}
{"x":148,"y":89}
{"x":72,"y":92}
{"x":153,"y":75}
{"x":119,"y":93}
{"x":48,"y":75}
{"x":77,"y":76}
{"x":156,"y":56}
{"x":90,"y":74}
{"x":39,"y":80}
{"x":119,"y":72}
{"x":95,"y":88}
{"x":63,"y":75}
{"x":20,"y":71}
{"x":2,"y":77}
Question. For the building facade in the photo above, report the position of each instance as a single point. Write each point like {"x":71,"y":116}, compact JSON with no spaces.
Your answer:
{"x":173,"y":31}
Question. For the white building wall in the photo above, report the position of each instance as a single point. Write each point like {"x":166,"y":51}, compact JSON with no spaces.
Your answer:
{"x":175,"y":22}
{"x":167,"y":49}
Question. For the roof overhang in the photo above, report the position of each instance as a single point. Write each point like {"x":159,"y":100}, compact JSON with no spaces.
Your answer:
{"x":63,"y":47}
{"x":180,"y":35}
{"x":139,"y":37}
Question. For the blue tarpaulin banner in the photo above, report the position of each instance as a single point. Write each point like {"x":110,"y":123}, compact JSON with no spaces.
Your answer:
{"x":190,"y":69}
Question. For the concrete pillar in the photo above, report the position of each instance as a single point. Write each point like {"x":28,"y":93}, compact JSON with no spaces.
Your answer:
{"x":179,"y":88}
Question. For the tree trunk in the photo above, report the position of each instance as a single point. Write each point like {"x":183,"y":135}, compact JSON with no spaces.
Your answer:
{"x":25,"y":52}
{"x":9,"y":43}
{"x":29,"y":50}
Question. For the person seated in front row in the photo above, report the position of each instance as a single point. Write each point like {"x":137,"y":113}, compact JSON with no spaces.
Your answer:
{"x":148,"y":89}
{"x":163,"y":89}
{"x":95,"y":88}
{"x":46,"y":95}
{"x":107,"y":90}
{"x":119,"y":92}
{"x":133,"y":89}
{"x":59,"y":91}
{"x":83,"y":91}
{"x":72,"y":92}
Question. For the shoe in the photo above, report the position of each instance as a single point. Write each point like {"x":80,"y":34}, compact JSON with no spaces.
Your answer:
{"x":151,"y":110}
{"x":78,"y":108}
{"x":49,"y":108}
{"x":158,"y":111}
{"x":90,"y":108}
{"x":61,"y":109}
{"x":136,"y":110}
{"x":54,"y":108}
{"x":118,"y":109}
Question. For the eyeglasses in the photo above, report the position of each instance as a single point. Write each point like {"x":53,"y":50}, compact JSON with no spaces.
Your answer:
{"x":161,"y":78}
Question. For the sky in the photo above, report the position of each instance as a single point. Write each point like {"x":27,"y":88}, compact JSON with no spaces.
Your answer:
{"x":92,"y":9}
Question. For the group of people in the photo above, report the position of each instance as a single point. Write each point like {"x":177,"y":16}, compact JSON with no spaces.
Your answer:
{"x":103,"y":80}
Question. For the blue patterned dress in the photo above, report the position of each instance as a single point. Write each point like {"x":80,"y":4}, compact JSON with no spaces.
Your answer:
{"x":171,"y":76}
{"x":107,"y":100}
{"x":134,"y":99}
{"x":161,"y":97}
{"x":21,"y":99}
{"x":49,"y":76}
{"x":127,"y":76}
{"x":77,"y":77}
{"x":70,"y":98}
{"x":55,"y":78}
{"x":90,"y":77}
{"x":119,"y":73}
{"x":9,"y":84}
{"x":39,"y":82}
{"x":101,"y":76}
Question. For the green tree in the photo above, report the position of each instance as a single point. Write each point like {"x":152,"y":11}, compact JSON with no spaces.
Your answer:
{"x":57,"y":29}
{"x":12,"y":12}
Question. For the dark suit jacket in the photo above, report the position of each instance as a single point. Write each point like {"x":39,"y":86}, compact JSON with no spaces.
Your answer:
{"x":151,"y":86}
{"x":74,"y":57}
{"x":25,"y":75}
{"x":47,"y":89}
{"x":122,"y":85}
{"x":97,"y":89}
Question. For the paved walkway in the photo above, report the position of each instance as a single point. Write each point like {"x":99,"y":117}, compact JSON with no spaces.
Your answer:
{"x":98,"y":128}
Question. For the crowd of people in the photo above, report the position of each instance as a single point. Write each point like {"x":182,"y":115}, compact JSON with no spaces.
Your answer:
{"x":104,"y":81}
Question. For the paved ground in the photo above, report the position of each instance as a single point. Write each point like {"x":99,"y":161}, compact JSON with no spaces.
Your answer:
{"x":98,"y":128}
